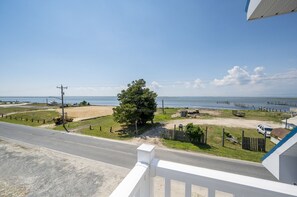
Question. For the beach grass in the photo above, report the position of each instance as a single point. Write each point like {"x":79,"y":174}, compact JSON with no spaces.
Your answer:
{"x":7,"y":110}
{"x":35,"y":118}
{"x":214,"y":144}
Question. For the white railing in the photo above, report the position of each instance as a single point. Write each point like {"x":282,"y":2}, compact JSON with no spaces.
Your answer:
{"x":139,"y":182}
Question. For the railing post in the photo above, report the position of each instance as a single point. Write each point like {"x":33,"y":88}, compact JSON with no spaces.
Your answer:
{"x":145,"y":155}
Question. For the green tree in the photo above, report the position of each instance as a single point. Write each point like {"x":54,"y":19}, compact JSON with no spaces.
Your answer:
{"x":137,"y":103}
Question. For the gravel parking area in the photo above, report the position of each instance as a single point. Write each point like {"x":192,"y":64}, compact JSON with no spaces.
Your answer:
{"x":32,"y":171}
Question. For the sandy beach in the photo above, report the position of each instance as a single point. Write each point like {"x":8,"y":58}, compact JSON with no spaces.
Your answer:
{"x":87,"y":112}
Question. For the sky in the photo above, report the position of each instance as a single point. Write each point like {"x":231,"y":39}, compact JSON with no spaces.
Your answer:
{"x":180,"y":48}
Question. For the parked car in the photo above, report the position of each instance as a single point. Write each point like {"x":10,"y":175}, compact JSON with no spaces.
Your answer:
{"x":261,"y":128}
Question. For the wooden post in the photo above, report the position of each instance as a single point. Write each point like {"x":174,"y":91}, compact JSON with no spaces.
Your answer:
{"x":43,"y":121}
{"x":2,"y":115}
{"x":32,"y":120}
{"x":100,"y":128}
{"x":174,"y":129}
{"x":90,"y":127}
{"x":205,"y":141}
{"x":223,"y":137}
{"x":242,"y":136}
{"x":110,"y":130}
{"x":163,"y":107}
{"x":264,"y":142}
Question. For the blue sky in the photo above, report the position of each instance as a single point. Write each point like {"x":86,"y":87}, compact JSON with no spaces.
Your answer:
{"x":181,"y":48}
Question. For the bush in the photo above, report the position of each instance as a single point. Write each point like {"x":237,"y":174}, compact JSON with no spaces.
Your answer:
{"x":84,"y":103}
{"x":194,"y":132}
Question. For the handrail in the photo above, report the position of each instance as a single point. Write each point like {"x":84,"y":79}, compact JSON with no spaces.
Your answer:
{"x":224,"y":181}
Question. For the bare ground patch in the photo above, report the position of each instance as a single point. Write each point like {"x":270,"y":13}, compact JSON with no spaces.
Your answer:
{"x":87,"y":112}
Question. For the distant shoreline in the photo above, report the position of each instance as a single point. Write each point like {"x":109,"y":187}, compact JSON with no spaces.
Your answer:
{"x":231,"y":103}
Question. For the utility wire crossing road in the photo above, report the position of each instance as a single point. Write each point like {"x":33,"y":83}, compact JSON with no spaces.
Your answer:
{"x":121,"y":153}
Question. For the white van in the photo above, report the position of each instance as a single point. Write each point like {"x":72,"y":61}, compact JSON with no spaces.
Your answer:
{"x":261,"y":128}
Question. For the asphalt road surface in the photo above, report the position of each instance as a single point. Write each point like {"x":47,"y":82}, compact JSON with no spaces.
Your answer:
{"x":121,"y":153}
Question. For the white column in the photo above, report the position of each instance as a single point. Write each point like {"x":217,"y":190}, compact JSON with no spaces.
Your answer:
{"x":145,"y":155}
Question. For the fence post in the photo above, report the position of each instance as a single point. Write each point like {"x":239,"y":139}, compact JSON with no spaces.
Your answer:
{"x":205,"y":141}
{"x":173,"y":135}
{"x":265,"y":142}
{"x":223,"y":137}
{"x":90,"y":127}
{"x":242,"y":136}
{"x":100,"y":128}
{"x":110,"y":130}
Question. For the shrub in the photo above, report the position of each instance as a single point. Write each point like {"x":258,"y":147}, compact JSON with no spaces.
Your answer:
{"x":194,"y":132}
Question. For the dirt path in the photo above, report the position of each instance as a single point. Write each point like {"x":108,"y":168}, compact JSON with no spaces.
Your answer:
{"x":227,"y":122}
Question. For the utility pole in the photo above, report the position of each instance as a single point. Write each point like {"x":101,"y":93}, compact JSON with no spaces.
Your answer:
{"x":62,"y":98}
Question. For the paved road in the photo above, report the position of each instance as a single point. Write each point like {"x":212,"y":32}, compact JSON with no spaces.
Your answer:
{"x":119,"y":153}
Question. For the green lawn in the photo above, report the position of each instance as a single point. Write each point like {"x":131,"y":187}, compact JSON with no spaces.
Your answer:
{"x":214,"y":144}
{"x":118,"y":131}
{"x":160,"y":117}
{"x":26,"y":118}
{"x":6,"y":110}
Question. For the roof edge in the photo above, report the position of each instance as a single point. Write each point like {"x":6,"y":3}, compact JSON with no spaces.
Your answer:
{"x":283,"y":141}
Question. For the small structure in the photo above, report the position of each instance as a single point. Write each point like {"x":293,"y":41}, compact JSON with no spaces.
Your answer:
{"x":278,"y":134}
{"x":290,"y":123}
{"x":281,"y":160}
{"x":183,"y":113}
{"x":189,"y":113}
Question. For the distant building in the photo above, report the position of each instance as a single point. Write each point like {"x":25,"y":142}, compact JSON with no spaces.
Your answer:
{"x":278,"y":134}
{"x":293,"y":109}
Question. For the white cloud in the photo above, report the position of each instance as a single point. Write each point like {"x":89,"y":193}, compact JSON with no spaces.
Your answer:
{"x":240,"y":76}
{"x":187,"y":84}
{"x":289,"y":75}
{"x":155,"y":85}
{"x":198,"y":84}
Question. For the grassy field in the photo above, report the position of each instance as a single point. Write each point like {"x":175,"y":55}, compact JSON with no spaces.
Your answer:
{"x":256,"y":115}
{"x":160,"y":117}
{"x":6,"y":110}
{"x":249,"y":115}
{"x":106,"y":122}
{"x":214,"y":144}
{"x":26,"y":118}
